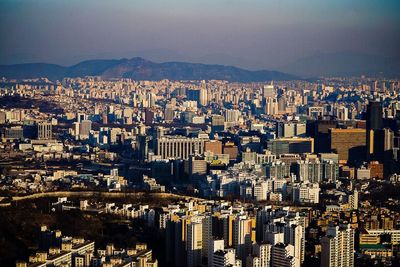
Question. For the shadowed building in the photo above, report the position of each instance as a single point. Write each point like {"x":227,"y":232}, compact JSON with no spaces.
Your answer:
{"x":349,"y":144}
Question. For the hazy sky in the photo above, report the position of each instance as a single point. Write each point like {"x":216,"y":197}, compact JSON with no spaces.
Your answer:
{"x":247,"y":33}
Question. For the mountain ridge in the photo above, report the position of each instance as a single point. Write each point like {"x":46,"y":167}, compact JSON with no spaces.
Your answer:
{"x":139,"y":68}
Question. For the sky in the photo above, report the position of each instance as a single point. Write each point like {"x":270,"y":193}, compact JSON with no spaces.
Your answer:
{"x":254,"y":34}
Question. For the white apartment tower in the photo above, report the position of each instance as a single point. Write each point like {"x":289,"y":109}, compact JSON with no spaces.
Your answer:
{"x":338,"y":247}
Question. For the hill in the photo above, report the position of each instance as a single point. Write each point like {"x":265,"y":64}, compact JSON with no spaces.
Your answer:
{"x":140,"y":69}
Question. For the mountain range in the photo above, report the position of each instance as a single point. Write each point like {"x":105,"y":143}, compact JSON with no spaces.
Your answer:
{"x":141,"y":69}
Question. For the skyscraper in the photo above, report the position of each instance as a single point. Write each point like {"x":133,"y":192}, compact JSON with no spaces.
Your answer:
{"x":374,"y":122}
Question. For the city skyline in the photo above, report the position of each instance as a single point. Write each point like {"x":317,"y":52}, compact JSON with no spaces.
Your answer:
{"x":213,"y":133}
{"x":255,"y":35}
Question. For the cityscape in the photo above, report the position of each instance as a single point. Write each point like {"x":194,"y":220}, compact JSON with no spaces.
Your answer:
{"x":142,"y":161}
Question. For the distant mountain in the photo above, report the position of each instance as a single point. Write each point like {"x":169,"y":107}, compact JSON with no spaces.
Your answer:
{"x":32,"y":70}
{"x":344,"y":64}
{"x":140,"y":69}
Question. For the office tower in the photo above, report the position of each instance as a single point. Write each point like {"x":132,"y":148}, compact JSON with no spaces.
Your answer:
{"x":85,"y":127}
{"x":179,"y":147}
{"x":230,"y":149}
{"x":44,"y":130}
{"x":194,"y":244}
{"x":242,"y":237}
{"x":169,"y":114}
{"x":319,"y":130}
{"x":148,"y":117}
{"x":374,"y":122}
{"x":175,"y":242}
{"x":337,"y":247}
{"x":203,"y":99}
{"x":349,"y":144}
{"x":193,"y":95}
{"x":269,"y":91}
{"x":213,"y":146}
{"x":283,"y":256}
{"x":271,"y":106}
{"x":290,"y":129}
{"x":382,"y":141}
{"x":214,"y":246}
{"x":282,"y":103}
{"x":197,"y":167}
{"x":291,"y":146}
{"x":217,"y":123}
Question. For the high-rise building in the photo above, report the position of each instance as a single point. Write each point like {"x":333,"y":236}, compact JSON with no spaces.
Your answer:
{"x":214,"y":246}
{"x":197,"y":166}
{"x":263,"y":253}
{"x":44,"y":130}
{"x":175,"y":242}
{"x":283,"y":256}
{"x":271,"y":106}
{"x":230,"y":149}
{"x":195,"y":95}
{"x":232,"y":115}
{"x":169,"y":114}
{"x":291,"y":145}
{"x":306,"y":193}
{"x":203,"y":101}
{"x":148,"y":116}
{"x":224,"y":258}
{"x":217,"y":123}
{"x":310,"y":171}
{"x":349,"y":144}
{"x":213,"y":146}
{"x":337,"y":247}
{"x":85,"y":127}
{"x":319,"y":130}
{"x":194,"y":244}
{"x":242,"y":237}
{"x":269,"y":91}
{"x":374,"y":118}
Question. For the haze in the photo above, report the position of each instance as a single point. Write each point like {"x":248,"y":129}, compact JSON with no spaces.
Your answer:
{"x":252,"y":34}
